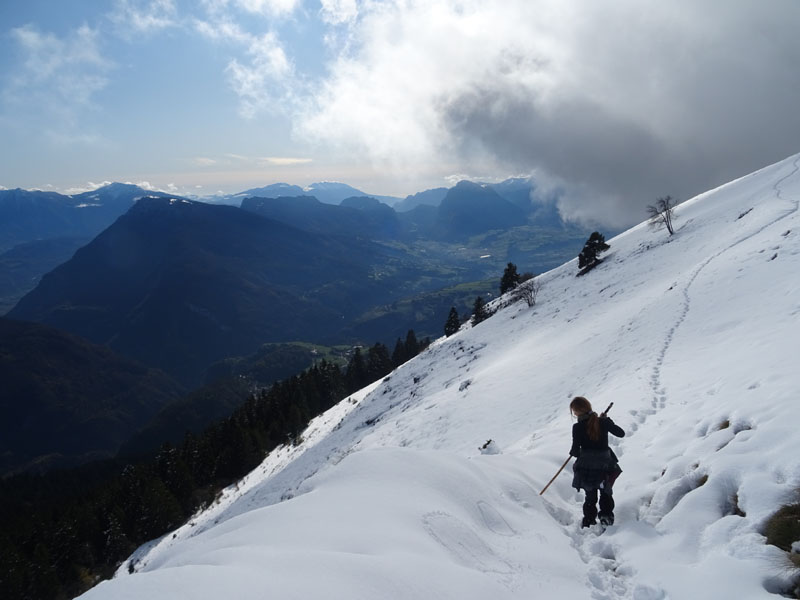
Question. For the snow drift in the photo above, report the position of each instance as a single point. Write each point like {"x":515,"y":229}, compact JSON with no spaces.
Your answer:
{"x":694,"y":337}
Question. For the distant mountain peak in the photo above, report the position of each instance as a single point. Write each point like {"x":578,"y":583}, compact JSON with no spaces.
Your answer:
{"x":274,"y":190}
{"x":149,"y":204}
{"x":116,"y":187}
{"x":328,"y":185}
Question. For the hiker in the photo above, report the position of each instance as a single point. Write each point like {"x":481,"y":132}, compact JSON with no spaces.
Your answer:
{"x":596,"y":466}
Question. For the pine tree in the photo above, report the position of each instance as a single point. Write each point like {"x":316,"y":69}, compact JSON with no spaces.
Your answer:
{"x":510,"y":278}
{"x":453,"y":322}
{"x":356,"y":375}
{"x":411,"y":345}
{"x":593,"y":246}
{"x":399,"y":353}
{"x":479,"y":311}
{"x":379,"y":363}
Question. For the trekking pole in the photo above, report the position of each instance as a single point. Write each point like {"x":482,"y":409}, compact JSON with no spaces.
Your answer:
{"x":569,"y":458}
{"x":603,"y":414}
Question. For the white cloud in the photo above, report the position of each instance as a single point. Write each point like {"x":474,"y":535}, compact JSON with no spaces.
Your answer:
{"x":145,"y":16}
{"x":617,"y":101}
{"x":240,"y":160}
{"x":269,"y":8}
{"x":89,"y":187}
{"x":261,"y":81}
{"x":223,"y":30}
{"x":69,"y":64}
{"x":389,"y":93}
{"x":263,"y":76}
{"x":57,"y":81}
{"x":454,"y":178}
{"x":253,"y":163}
{"x":339,"y":11}
{"x":286,"y":161}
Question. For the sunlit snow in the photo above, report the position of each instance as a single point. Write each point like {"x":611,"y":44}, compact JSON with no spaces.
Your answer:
{"x":694,"y":337}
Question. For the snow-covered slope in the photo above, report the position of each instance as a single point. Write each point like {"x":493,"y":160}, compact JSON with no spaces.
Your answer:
{"x":694,"y":338}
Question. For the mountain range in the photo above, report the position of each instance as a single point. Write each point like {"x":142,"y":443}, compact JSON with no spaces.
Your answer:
{"x":472,"y":208}
{"x":26,"y":216}
{"x":180,"y":285}
{"x":452,"y":215}
{"x":351,"y":218}
{"x":328,"y":192}
{"x":41,"y":230}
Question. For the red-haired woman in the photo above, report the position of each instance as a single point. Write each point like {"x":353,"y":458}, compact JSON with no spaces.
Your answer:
{"x":596,"y":466}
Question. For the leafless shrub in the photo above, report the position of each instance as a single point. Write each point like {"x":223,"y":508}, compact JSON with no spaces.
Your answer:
{"x":527,"y":290}
{"x":660,"y":213}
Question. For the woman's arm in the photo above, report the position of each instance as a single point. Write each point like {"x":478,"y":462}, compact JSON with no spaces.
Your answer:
{"x":576,"y":445}
{"x":612,"y":427}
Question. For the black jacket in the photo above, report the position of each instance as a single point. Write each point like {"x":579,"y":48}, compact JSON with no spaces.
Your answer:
{"x":580,"y":435}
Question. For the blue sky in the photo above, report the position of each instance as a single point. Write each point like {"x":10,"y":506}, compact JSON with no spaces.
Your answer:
{"x":97,"y":91}
{"x":613,"y":102}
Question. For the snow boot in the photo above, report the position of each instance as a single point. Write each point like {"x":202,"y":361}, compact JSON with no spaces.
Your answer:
{"x":587,"y":522}
{"x":606,"y":520}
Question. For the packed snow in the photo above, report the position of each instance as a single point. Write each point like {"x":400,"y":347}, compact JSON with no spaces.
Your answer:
{"x":397,"y":494}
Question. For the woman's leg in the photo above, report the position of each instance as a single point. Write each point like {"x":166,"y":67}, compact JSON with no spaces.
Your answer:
{"x":590,"y":508}
{"x":606,"y":507}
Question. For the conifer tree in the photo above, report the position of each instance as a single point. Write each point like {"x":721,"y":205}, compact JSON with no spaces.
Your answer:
{"x":399,"y":353}
{"x":479,"y":311}
{"x":510,"y":279}
{"x":453,"y":322}
{"x":379,"y":363}
{"x":593,"y":246}
{"x":356,"y":371}
{"x":411,"y":345}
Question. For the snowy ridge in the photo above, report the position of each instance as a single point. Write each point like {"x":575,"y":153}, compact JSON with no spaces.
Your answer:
{"x":694,"y":339}
{"x":316,"y":431}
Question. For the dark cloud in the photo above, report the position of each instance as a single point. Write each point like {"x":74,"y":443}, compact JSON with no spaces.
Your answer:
{"x":618,"y":102}
{"x":728,"y":112}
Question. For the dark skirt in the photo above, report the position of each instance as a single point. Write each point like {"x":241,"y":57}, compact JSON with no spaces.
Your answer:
{"x":595,"y":469}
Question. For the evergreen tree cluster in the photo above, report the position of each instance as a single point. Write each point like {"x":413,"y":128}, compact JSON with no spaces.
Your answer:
{"x":62,"y":532}
{"x":511,"y":280}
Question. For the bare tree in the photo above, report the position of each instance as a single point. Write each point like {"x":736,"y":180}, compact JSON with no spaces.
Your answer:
{"x":527,"y":290}
{"x":660,"y":213}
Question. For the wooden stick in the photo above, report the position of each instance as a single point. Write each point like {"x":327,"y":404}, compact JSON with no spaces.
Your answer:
{"x":556,"y":475}
{"x":603,"y":414}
